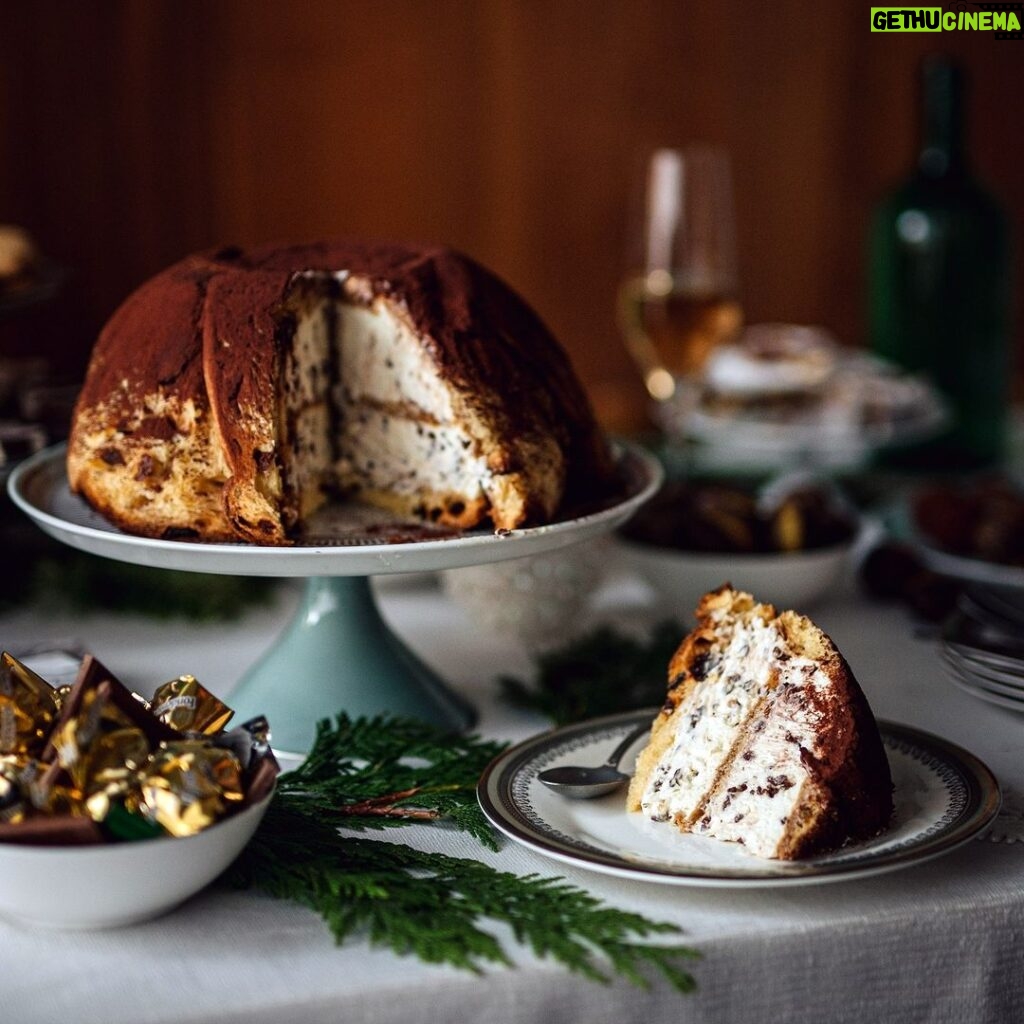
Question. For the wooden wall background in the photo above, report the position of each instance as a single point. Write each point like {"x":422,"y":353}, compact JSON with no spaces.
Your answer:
{"x":135,"y":131}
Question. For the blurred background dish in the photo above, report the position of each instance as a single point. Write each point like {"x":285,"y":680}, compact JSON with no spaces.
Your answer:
{"x":784,"y":515}
{"x":793,"y":580}
{"x":786,"y":395}
{"x":968,"y":530}
{"x":791,"y":541}
{"x":781,"y":360}
{"x":980,"y":518}
{"x":27,"y":277}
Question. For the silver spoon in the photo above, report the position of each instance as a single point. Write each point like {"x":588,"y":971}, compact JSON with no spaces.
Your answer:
{"x":581,"y":783}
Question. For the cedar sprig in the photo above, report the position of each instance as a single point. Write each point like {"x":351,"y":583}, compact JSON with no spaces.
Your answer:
{"x":436,"y":907}
{"x":371,"y":773}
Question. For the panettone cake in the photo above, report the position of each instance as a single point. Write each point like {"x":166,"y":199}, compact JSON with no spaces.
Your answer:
{"x":233,"y":393}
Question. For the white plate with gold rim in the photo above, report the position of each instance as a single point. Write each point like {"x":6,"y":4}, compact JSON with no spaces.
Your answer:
{"x":944,"y":797}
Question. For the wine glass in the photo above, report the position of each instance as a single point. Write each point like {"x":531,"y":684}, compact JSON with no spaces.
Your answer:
{"x":679,"y":299}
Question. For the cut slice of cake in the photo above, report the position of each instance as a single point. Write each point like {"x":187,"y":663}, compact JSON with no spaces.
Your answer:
{"x":766,"y":739}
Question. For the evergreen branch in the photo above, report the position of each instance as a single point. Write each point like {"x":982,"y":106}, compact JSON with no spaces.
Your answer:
{"x":432,"y":905}
{"x":371,"y":773}
{"x":597,"y":674}
{"x":374,"y":773}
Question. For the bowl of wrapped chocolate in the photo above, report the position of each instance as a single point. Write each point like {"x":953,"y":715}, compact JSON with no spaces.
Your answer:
{"x":791,"y":540}
{"x":114,"y":809}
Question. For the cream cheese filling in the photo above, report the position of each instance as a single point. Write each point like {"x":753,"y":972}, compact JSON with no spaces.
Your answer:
{"x":382,"y":451}
{"x":709,"y":719}
{"x":364,"y":408}
{"x":762,"y":788}
{"x":381,"y":360}
{"x":751,"y":712}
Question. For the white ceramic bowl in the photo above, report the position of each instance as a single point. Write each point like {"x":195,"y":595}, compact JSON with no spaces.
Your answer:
{"x":113,"y":884}
{"x":794,"y":580}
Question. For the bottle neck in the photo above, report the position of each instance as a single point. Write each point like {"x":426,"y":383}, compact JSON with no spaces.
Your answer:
{"x":942,"y":152}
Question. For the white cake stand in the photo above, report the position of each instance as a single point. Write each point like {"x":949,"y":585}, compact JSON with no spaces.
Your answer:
{"x":338,"y":654}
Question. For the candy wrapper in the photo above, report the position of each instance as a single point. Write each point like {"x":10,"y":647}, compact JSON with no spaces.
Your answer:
{"x":12,"y":804}
{"x":98,"y":762}
{"x":28,"y":708}
{"x":187,"y":706}
{"x":188,"y":785}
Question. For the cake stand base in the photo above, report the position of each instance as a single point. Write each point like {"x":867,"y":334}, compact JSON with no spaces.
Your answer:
{"x":338,"y":655}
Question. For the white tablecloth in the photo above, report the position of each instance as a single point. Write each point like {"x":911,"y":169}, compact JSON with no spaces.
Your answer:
{"x":933,"y":943}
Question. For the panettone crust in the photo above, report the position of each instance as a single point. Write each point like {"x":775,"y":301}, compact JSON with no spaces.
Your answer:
{"x":175,"y":434}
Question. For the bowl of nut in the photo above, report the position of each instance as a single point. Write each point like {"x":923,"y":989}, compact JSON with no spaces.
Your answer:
{"x":114,"y":809}
{"x":792,"y":541}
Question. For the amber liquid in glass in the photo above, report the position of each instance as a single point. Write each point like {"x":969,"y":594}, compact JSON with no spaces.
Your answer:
{"x":671,"y":329}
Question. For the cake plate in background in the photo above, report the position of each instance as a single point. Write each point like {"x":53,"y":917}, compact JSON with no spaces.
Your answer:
{"x":337,"y":654}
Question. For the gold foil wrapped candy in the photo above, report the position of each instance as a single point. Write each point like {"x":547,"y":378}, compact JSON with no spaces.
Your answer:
{"x":186,"y":705}
{"x":96,"y":762}
{"x":124,"y":708}
{"x":188,"y":785}
{"x":96,"y":737}
{"x":248,"y":741}
{"x":28,"y":791}
{"x":49,"y":795}
{"x":114,"y":751}
{"x":113,"y":766}
{"x":28,"y":708}
{"x":119,"y":787}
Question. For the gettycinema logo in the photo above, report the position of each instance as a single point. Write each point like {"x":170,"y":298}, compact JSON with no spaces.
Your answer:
{"x":1003,"y":20}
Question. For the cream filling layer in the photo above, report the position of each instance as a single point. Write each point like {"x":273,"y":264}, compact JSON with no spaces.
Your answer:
{"x":382,"y":451}
{"x":708,"y":721}
{"x":764,"y":785}
{"x":397,"y":429}
{"x":381,"y":360}
{"x":363,"y":407}
{"x":736,"y":712}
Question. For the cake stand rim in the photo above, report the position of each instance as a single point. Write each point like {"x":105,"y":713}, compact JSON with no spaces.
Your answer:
{"x":303,"y":561}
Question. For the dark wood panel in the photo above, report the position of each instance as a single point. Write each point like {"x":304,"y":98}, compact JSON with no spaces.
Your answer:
{"x":135,"y":131}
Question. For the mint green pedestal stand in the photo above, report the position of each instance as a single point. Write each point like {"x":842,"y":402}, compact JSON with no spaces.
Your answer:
{"x":339,"y":654}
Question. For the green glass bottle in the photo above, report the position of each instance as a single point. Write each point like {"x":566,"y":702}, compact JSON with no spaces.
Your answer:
{"x":939,"y":282}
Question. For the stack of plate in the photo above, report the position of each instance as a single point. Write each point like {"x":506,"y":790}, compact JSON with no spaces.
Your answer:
{"x":983,"y":645}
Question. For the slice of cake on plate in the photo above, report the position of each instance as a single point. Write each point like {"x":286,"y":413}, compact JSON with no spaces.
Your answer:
{"x":766,"y":739}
